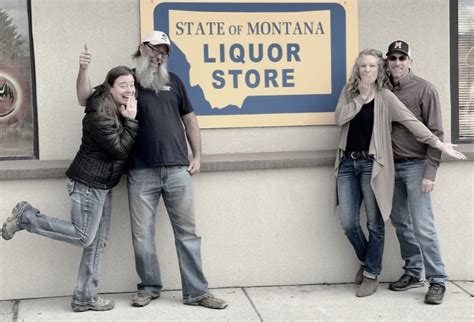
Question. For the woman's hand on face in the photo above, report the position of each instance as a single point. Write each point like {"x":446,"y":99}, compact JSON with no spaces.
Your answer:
{"x":130,"y":110}
{"x":366,"y":86}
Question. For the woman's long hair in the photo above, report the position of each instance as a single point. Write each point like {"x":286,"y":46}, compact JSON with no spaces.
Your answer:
{"x":382,"y":81}
{"x":108,"y":106}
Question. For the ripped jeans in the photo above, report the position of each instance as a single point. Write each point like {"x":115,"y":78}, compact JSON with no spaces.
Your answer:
{"x":88,"y":228}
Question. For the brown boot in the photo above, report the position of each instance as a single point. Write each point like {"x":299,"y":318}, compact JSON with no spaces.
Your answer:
{"x":359,"y":275}
{"x":368,"y":287}
{"x":211,"y":302}
{"x":12,"y":224}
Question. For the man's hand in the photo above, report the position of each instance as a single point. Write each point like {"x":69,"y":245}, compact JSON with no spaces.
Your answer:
{"x":194,"y":166}
{"x":448,"y":148}
{"x":85,"y":58}
{"x":427,"y":185}
{"x":193,"y":134}
{"x":83,"y":83}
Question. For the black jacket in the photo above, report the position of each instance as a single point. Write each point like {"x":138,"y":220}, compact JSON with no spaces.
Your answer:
{"x":102,"y":156}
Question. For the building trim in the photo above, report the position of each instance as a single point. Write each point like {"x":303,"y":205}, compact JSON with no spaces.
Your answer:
{"x":35,"y":169}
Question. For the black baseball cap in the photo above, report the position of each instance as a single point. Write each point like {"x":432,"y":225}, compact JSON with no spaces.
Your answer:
{"x":399,"y":46}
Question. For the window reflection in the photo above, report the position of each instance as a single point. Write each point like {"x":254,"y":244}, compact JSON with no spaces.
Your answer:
{"x":17,"y":128}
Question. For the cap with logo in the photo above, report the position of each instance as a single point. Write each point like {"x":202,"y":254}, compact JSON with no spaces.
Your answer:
{"x":399,"y":46}
{"x":157,"y":37}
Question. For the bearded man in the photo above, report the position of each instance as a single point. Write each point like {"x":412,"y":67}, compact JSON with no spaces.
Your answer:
{"x":160,"y":167}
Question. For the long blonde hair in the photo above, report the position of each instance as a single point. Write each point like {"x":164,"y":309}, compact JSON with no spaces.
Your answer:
{"x":382,"y":81}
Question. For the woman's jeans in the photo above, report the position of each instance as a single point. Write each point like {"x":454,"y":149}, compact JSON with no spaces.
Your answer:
{"x":88,"y":228}
{"x":353,"y":186}
{"x":145,"y":187}
{"x":412,"y":217}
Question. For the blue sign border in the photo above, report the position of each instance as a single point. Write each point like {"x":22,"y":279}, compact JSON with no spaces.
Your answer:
{"x":262,"y":104}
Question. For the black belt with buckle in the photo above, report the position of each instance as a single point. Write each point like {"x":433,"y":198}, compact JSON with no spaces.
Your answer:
{"x":354,"y":155}
{"x":398,"y":160}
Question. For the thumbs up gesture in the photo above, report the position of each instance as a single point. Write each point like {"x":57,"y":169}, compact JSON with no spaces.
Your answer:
{"x":85,"y":58}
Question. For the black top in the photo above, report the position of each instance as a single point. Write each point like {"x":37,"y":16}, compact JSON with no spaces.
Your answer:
{"x":360,"y":129}
{"x":161,"y":139}
{"x":101,"y":159}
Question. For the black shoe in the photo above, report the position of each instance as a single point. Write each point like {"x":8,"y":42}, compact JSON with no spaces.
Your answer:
{"x":435,"y":294}
{"x":406,"y":282}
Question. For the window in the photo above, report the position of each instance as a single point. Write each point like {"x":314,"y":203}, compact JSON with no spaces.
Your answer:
{"x":462,"y":70}
{"x":17,"y":115}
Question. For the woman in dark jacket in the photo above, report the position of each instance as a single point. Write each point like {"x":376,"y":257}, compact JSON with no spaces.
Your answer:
{"x":108,"y":133}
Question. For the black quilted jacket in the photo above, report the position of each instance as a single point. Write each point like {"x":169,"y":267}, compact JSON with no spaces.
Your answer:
{"x":102,"y":156}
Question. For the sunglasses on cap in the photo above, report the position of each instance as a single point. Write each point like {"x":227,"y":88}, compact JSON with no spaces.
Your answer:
{"x":400,"y":58}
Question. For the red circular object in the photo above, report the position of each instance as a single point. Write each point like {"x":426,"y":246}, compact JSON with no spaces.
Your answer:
{"x":14,"y":95}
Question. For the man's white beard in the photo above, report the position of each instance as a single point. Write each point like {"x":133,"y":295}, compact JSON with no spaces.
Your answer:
{"x":148,"y":76}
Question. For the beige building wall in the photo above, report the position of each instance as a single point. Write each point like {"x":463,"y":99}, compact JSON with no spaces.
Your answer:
{"x":259,"y":227}
{"x":111,"y":30}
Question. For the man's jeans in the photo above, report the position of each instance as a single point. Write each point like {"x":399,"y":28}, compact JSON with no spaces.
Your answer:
{"x":353,"y":186}
{"x":412,"y":217}
{"x":88,"y":228}
{"x":145,"y":187}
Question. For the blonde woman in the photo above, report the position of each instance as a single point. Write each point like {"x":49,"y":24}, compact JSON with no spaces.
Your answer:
{"x":364,"y":163}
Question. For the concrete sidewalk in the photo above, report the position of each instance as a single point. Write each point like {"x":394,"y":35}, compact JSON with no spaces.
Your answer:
{"x":284,"y":303}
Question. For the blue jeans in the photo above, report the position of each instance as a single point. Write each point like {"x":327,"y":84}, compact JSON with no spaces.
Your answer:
{"x":88,"y":228}
{"x":353,"y":186}
{"x":412,"y":217}
{"x":145,"y":187}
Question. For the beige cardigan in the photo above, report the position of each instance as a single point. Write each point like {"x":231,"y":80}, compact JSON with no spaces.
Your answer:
{"x":387,"y":109}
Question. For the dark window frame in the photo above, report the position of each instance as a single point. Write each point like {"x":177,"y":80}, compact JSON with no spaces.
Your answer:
{"x":455,"y":92}
{"x":34,"y":109}
{"x":33,"y":86}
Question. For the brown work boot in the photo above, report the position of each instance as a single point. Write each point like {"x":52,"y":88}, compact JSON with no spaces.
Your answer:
{"x":100,"y":305}
{"x":12,"y":224}
{"x":211,"y":302}
{"x":143,"y":299}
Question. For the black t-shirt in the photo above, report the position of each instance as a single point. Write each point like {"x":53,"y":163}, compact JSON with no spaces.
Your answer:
{"x":161,"y":139}
{"x":360,"y":129}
